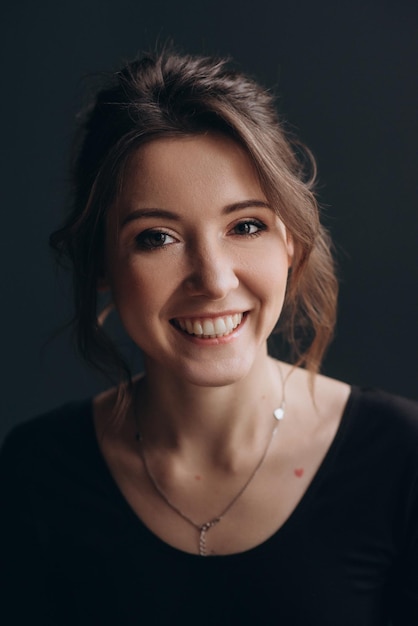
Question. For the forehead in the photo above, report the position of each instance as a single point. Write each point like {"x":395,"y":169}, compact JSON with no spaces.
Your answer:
{"x":204,"y":168}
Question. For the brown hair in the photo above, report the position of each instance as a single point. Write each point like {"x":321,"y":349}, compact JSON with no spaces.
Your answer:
{"x":168,"y":94}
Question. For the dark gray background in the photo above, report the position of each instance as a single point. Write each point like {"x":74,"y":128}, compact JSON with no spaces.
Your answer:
{"x":346,"y":74}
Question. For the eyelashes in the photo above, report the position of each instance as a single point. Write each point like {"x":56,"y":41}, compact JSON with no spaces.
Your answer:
{"x":153,"y":239}
{"x":249,"y":228}
{"x":157,"y":239}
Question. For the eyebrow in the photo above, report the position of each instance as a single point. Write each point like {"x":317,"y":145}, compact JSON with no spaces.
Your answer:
{"x":171,"y":215}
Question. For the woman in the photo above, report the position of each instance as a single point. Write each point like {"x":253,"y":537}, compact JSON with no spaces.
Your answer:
{"x":193,"y":212}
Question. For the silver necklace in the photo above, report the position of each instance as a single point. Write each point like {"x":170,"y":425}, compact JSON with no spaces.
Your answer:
{"x":203,"y":529}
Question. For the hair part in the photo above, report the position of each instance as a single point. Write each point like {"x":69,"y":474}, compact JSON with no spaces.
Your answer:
{"x":169,"y":95}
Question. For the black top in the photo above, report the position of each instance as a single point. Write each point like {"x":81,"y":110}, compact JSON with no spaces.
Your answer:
{"x":73,"y":552}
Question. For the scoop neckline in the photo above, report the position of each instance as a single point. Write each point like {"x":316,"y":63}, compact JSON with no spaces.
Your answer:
{"x":279,"y":532}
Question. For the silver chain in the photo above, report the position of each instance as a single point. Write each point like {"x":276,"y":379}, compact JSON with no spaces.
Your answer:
{"x":204,"y":528}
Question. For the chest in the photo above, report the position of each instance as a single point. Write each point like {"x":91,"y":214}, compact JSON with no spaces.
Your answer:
{"x":322,"y":567}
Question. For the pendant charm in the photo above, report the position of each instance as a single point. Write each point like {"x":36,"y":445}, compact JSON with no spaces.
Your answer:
{"x":202,"y":539}
{"x":279,"y":413}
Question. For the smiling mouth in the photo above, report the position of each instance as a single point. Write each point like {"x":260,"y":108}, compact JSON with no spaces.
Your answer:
{"x":209,"y":327}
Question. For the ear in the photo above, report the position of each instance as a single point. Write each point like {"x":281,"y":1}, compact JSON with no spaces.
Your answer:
{"x":101,"y":318}
{"x":290,"y":248}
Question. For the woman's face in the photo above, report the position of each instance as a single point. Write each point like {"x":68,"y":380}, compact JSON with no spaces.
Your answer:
{"x":197,"y":261}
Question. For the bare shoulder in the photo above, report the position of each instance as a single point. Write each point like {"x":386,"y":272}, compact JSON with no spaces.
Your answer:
{"x":331,"y":394}
{"x":315,"y":395}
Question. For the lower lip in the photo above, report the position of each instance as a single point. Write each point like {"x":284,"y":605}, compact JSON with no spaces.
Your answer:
{"x":214,"y":341}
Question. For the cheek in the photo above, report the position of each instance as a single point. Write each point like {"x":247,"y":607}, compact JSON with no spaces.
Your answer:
{"x":125,"y":284}
{"x":267,"y":281}
{"x":139,"y":293}
{"x":270,"y":271}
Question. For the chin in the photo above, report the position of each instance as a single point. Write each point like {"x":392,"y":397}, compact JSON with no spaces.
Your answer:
{"x":214,"y":374}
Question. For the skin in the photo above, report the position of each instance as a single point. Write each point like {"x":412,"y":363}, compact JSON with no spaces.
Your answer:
{"x":192,"y":237}
{"x":208,"y":265}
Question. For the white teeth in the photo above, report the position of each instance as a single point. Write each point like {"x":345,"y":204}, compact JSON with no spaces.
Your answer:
{"x":197,"y":328}
{"x":211,"y":327}
{"x":208,"y":327}
{"x":220,"y":326}
{"x":230,"y":323}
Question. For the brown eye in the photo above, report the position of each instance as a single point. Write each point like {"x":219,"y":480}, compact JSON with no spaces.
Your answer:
{"x":249,"y":228}
{"x":152,"y":239}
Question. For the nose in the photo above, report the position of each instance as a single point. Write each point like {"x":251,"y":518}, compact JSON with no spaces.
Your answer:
{"x":212,"y":272}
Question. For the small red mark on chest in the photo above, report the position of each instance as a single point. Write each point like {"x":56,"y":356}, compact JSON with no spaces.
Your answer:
{"x":298,"y":471}
{"x":197,"y":477}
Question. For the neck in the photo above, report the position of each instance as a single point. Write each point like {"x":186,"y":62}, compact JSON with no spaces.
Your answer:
{"x":208,"y":421}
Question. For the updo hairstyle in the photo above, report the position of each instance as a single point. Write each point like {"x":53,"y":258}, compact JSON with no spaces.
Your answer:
{"x":171,"y":95}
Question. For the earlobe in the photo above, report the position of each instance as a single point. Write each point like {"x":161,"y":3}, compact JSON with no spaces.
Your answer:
{"x":105,"y":301}
{"x":102,"y":317}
